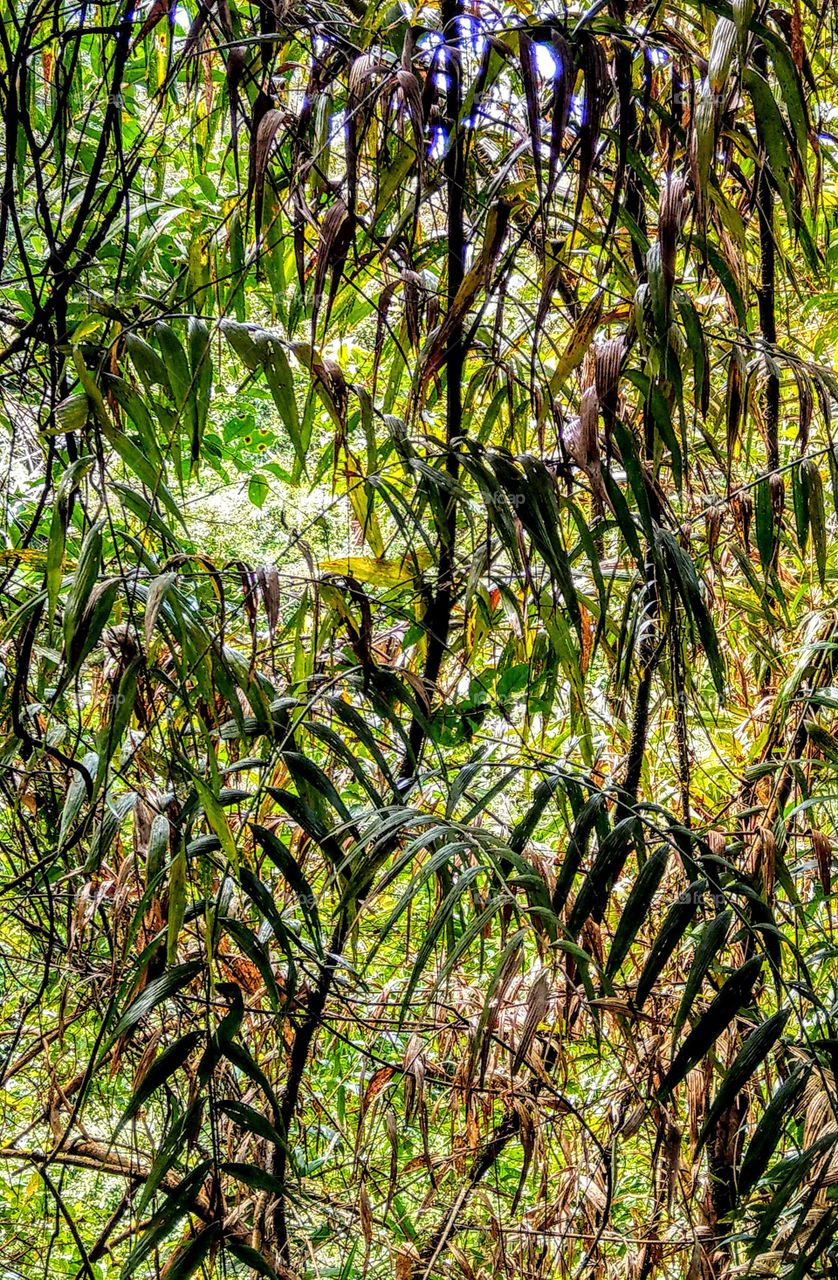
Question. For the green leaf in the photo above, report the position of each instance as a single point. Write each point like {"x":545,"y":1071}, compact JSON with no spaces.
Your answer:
{"x":168,"y":984}
{"x":87,"y":572}
{"x":75,"y":796}
{"x":56,"y":547}
{"x":291,"y":871}
{"x":85,"y":627}
{"x":249,"y":1118}
{"x":254,"y":1176}
{"x":200,"y":368}
{"x":764,"y":513}
{"x":812,"y":486}
{"x":772,"y":130}
{"x":591,"y":813}
{"x":769,"y":1132}
{"x":544,"y":793}
{"x":734,"y":994}
{"x":801,"y":509}
{"x":176,"y":366}
{"x":636,"y":908}
{"x":752,"y":1053}
{"x":217,"y":821}
{"x":116,"y":810}
{"x":692,"y":596}
{"x":676,"y":922}
{"x":533,"y":495}
{"x":636,"y":476}
{"x":111,"y":734}
{"x":177,"y":904}
{"x":170,"y":1149}
{"x":598,"y":883}
{"x":157,"y":847}
{"x":310,"y":822}
{"x":250,"y":944}
{"x":710,"y":942}
{"x":164,"y":1066}
{"x":179,"y":1202}
{"x":826,"y":742}
{"x":258,"y":490}
{"x":262,"y":898}
{"x":157,"y":592}
{"x":251,"y":1259}
{"x":244,"y":1061}
{"x":146,"y":361}
{"x":281,"y":384}
{"x":186,"y":1261}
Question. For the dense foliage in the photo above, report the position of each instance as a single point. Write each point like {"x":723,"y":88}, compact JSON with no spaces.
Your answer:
{"x":418,"y":633}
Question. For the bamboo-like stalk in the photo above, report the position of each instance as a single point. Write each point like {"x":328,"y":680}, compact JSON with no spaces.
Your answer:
{"x":437,"y":621}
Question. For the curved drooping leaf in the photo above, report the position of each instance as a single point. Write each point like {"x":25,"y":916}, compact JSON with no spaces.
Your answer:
{"x":769,"y":1132}
{"x":708,"y":945}
{"x":168,"y":984}
{"x":165,"y":1065}
{"x":754,"y":1049}
{"x":636,"y":908}
{"x":677,"y":921}
{"x":723,"y":1008}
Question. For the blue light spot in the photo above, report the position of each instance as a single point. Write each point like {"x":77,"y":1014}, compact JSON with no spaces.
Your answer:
{"x":546,"y":61}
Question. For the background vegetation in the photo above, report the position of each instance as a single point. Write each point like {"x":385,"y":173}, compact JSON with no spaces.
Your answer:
{"x":418,"y":633}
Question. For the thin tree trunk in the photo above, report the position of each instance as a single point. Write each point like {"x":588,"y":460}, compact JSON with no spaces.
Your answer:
{"x":767,"y":284}
{"x":438,"y":616}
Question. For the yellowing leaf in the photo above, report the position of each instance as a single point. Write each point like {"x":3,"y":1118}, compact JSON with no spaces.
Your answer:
{"x":378,"y":572}
{"x":581,"y":337}
{"x":217,"y":820}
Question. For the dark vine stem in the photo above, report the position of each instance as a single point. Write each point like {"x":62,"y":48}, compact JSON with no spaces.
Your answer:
{"x":438,"y":616}
{"x":766,"y":288}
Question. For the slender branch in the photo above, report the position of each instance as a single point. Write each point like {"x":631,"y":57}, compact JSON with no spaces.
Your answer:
{"x":766,"y":287}
{"x":438,"y":617}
